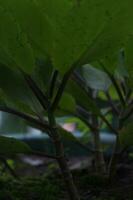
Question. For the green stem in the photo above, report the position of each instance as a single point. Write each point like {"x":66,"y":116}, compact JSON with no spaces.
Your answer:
{"x":68,"y":179}
{"x":113,"y":106}
{"x":114,"y":159}
{"x":99,"y":158}
{"x":61,"y":90}
{"x":52,"y":84}
{"x":115,"y":84}
{"x":42,"y":98}
{"x":108,"y":124}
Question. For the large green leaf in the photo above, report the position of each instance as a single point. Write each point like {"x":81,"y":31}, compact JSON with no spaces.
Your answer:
{"x":15,"y":49}
{"x":129,"y":58}
{"x":14,"y":91}
{"x":67,"y":31}
{"x":95,"y":78}
{"x":92,"y":30}
{"x":9,"y":146}
{"x":55,"y":10}
{"x":77,"y":31}
{"x":115,"y":33}
{"x":33,"y":22}
{"x":42,"y":73}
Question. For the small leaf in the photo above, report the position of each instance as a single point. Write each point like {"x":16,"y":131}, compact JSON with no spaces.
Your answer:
{"x":95,"y":78}
{"x":67,"y":103}
{"x":81,"y":98}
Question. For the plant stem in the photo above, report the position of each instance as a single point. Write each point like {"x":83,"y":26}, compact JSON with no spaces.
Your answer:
{"x":99,"y":158}
{"x":28,"y":118}
{"x":115,"y":84}
{"x":61,"y":90}
{"x":110,"y":100}
{"x":78,"y":80}
{"x":52,"y":84}
{"x":61,"y":159}
{"x":116,"y":150}
{"x":114,"y":159}
{"x":108,"y":124}
{"x":42,"y":98}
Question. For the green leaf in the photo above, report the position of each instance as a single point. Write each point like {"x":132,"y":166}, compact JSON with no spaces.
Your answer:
{"x":33,"y":23}
{"x":9,"y":146}
{"x":81,"y":98}
{"x":14,"y":44}
{"x":14,"y":91}
{"x":55,"y":10}
{"x":66,"y":135}
{"x":67,"y":103}
{"x":15,"y":125}
{"x":95,"y":78}
{"x":92,"y":30}
{"x":121,"y":71}
{"x":129,"y":58}
{"x":42,"y":73}
{"x":114,"y":35}
{"x":77,"y":31}
{"x":65,"y":31}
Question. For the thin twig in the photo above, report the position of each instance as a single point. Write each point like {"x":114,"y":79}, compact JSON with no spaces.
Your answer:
{"x":108,"y":124}
{"x":124,"y":89}
{"x":36,"y":91}
{"x":61,"y":90}
{"x":114,"y":108}
{"x":76,"y":77}
{"x":118,"y":90}
{"x":129,"y":93}
{"x":81,"y":113}
{"x":78,"y":80}
{"x":41,"y":125}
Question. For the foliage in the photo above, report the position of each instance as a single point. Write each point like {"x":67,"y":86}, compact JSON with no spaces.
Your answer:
{"x":126,"y":135}
{"x":41,"y":44}
{"x":31,"y":188}
{"x":11,"y":146}
{"x":49,"y":27}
